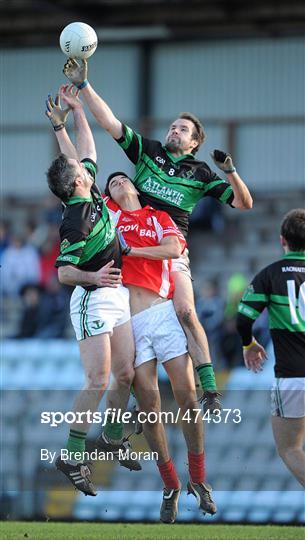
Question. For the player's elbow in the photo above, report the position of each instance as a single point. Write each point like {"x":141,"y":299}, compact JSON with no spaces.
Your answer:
{"x":248,"y":204}
{"x":243,"y":204}
{"x":63,"y":275}
{"x":176,"y":250}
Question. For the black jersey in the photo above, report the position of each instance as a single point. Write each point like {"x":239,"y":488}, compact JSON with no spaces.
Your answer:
{"x":174,"y":185}
{"x":87,"y":232}
{"x":281,"y":288}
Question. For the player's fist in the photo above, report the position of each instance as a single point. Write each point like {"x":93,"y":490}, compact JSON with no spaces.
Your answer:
{"x":76,"y":71}
{"x":223,"y":161}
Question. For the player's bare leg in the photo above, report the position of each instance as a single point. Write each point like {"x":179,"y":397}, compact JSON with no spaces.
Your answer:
{"x":289,"y":435}
{"x":96,"y":359}
{"x":180,"y":372}
{"x":95,"y":355}
{"x":181,"y":375}
{"x":196,"y":339}
{"x":148,"y":396}
{"x":122,"y":359}
{"x":185,"y":308}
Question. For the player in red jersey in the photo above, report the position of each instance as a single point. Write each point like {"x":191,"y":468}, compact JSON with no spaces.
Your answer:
{"x":152,"y":237}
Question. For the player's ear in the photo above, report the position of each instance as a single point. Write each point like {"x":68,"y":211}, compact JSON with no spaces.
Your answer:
{"x":283,"y":242}
{"x":78,"y":181}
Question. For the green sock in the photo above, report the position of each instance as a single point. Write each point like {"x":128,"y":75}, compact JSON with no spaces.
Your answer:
{"x":113,"y":430}
{"x":207,"y":377}
{"x":132,"y":391}
{"x":76,"y":443}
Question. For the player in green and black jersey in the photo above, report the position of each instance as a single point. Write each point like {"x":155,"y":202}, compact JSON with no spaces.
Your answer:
{"x":280,"y":287}
{"x":99,"y":304}
{"x":169,"y":178}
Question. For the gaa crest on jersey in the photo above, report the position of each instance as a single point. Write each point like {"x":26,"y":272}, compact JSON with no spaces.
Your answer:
{"x":64,"y":244}
{"x":149,"y":222}
{"x":248,"y":292}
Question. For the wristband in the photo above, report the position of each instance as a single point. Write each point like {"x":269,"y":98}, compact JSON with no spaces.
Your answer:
{"x":83,"y":84}
{"x":59,"y":127}
{"x":230,"y":172}
{"x":253,"y":342}
{"x":126,"y":250}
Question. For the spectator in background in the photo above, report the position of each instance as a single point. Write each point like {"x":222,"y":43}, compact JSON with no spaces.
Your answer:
{"x":20,"y":266}
{"x":44,"y":312}
{"x":49,"y":252}
{"x":52,"y":210}
{"x":53,"y":310}
{"x":4,"y":237}
{"x":230,"y":343}
{"x":208,"y":216}
{"x":210,"y":309}
{"x":30,"y":312}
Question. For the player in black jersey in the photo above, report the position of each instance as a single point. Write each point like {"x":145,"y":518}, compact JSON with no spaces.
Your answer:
{"x":169,"y":177}
{"x":90,"y":259}
{"x":280,"y":287}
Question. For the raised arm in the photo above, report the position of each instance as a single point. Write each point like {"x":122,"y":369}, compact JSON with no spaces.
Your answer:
{"x":77,"y":72}
{"x":58,"y":118}
{"x":85,"y":145}
{"x":242,"y":197}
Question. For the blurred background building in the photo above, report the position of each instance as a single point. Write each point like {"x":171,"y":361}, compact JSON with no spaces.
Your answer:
{"x":240,"y":68}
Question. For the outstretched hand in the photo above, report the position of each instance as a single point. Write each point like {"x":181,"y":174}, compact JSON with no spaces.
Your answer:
{"x":255,"y":357}
{"x":69,"y":94}
{"x":55,"y":113}
{"x":76,"y":71}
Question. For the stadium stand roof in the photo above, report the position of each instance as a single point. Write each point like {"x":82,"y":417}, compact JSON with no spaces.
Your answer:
{"x":37,"y":22}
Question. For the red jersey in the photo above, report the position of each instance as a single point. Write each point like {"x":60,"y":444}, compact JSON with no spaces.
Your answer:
{"x":145,"y":228}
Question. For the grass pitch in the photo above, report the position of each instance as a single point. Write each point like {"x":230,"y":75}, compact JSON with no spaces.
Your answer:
{"x":133,"y":531}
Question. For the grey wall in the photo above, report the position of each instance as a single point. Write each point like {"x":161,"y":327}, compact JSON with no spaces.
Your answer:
{"x":257,"y":84}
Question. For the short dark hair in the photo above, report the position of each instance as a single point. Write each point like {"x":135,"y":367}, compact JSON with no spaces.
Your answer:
{"x":293,"y":229}
{"x":112,"y":175}
{"x":61,"y":177}
{"x":198,"y":132}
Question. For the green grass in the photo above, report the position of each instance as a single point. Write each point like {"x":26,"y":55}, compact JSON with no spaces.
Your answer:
{"x":124,"y":531}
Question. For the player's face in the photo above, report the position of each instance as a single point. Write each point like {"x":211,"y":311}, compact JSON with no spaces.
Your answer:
{"x":180,"y":137}
{"x":120,"y":186}
{"x":81,"y":173}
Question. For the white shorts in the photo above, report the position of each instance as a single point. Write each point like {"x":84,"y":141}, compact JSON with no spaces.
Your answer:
{"x":158,"y":334}
{"x":288,"y":397}
{"x":97,"y":312}
{"x":182,"y":264}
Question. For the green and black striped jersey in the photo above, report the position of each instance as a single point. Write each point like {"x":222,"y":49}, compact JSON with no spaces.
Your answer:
{"x":87,"y":233}
{"x":280,"y":287}
{"x":174,"y":185}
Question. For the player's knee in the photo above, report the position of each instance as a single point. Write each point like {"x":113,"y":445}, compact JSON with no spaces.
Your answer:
{"x":97,"y":380}
{"x":188,"y":403}
{"x":125,"y":376}
{"x":288,"y":453}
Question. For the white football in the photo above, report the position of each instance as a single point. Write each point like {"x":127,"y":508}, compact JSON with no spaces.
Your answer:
{"x":78,"y":40}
